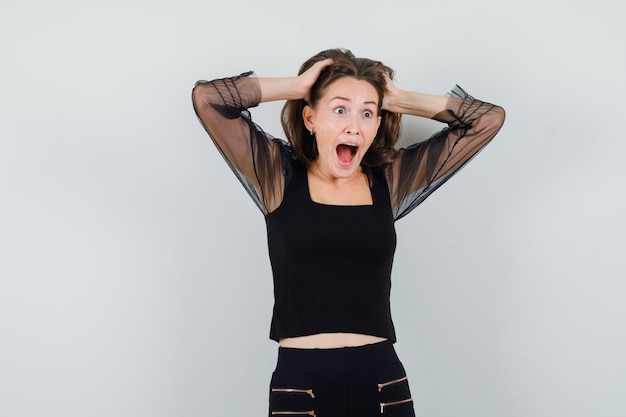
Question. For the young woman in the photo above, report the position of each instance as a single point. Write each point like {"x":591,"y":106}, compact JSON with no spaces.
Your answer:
{"x":330,"y":197}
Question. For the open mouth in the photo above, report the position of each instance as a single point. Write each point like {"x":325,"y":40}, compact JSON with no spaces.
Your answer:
{"x":346,"y":152}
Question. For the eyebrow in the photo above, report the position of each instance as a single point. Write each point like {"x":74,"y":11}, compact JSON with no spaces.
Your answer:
{"x":347,"y":99}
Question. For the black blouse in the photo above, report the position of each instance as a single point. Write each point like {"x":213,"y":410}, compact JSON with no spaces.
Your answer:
{"x":416,"y":171}
{"x":332,"y":264}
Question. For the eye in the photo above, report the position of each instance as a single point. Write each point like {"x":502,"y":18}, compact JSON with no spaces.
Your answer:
{"x":368,"y":114}
{"x":340,"y":110}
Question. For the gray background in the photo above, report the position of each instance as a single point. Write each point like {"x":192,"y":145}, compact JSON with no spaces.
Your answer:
{"x":134,"y":271}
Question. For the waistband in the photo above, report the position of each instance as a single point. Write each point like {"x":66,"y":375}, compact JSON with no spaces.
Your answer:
{"x":349,"y":360}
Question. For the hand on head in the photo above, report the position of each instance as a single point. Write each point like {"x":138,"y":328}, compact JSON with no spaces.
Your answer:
{"x":311,"y":75}
{"x":391,"y":91}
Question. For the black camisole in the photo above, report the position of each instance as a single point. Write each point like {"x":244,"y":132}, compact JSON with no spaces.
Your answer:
{"x":331,"y":264}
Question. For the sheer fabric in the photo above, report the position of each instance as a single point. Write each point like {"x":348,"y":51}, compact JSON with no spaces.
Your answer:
{"x":259,"y":160}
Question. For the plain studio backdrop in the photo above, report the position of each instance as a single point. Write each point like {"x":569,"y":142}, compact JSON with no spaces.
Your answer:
{"x":134,"y":277}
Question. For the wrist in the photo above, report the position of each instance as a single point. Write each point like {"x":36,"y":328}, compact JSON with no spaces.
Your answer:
{"x":285,"y":88}
{"x":415,"y":103}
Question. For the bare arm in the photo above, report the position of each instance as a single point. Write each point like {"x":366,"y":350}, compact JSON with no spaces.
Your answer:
{"x":414,"y":103}
{"x":291,"y":88}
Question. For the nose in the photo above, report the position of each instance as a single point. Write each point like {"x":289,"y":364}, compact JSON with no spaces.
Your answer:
{"x":352,"y":126}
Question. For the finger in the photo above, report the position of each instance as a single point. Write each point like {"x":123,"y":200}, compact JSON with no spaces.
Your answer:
{"x":323,"y":64}
{"x":390,"y":85}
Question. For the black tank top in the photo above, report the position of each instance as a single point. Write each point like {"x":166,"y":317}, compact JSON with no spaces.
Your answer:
{"x":331,"y":264}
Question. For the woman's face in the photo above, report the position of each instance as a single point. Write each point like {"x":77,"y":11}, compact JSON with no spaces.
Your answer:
{"x":345,"y":122}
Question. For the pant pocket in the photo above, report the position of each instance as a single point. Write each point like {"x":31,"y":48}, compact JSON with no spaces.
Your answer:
{"x":292,"y":394}
{"x":394,"y":395}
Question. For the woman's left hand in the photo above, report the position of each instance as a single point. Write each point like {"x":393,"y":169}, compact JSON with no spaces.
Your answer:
{"x":397,"y":100}
{"x":392,"y":92}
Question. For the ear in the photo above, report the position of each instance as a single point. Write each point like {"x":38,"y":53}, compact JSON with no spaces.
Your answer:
{"x":308,"y":116}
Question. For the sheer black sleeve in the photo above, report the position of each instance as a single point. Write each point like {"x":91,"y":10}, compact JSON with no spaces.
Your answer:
{"x":256,"y":158}
{"x":420,"y":169}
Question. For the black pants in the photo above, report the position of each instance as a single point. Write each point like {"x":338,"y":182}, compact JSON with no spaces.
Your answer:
{"x":364,"y":381}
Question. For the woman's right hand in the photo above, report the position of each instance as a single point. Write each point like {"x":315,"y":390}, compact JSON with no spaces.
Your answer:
{"x":311,"y":75}
{"x":292,"y":88}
